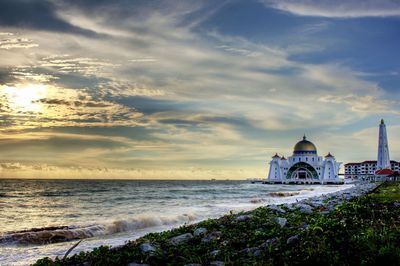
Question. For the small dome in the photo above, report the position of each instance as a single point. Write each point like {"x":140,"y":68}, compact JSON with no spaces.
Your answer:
{"x":304,"y":146}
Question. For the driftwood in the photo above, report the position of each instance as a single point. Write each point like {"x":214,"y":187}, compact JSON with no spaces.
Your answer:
{"x":69,"y":250}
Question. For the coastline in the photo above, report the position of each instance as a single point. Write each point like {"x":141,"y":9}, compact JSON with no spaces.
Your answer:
{"x":213,"y":237}
{"x":197,"y":202}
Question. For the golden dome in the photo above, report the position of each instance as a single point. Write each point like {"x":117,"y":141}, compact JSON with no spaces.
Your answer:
{"x":305,"y":146}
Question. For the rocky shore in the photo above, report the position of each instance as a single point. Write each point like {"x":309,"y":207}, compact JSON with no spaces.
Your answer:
{"x":322,"y":227}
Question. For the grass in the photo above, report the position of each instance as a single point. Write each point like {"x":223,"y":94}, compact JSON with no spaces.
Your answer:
{"x":364,"y":231}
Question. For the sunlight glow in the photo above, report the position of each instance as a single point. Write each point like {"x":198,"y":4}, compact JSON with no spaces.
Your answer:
{"x":25,"y":97}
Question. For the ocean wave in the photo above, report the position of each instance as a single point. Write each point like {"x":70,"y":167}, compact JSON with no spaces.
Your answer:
{"x":283,"y":194}
{"x":55,"y":234}
{"x":48,"y":235}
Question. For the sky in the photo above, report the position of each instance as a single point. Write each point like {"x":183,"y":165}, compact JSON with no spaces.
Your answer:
{"x":191,"y":89}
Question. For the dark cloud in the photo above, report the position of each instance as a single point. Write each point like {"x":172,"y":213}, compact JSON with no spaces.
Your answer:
{"x":6,"y":77}
{"x":35,"y":14}
{"x":150,"y":105}
{"x":73,"y":103}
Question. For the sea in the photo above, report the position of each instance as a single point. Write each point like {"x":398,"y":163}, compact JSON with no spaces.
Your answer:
{"x":38,"y":218}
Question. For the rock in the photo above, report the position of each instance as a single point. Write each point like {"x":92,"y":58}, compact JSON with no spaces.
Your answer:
{"x":243,"y":218}
{"x":270,"y":242}
{"x":180,"y":239}
{"x":292,"y":239}
{"x":304,"y":208}
{"x":200,"y":231}
{"x":258,"y":253}
{"x":214,"y":253}
{"x":277,"y":209}
{"x":304,"y":226}
{"x":225,"y":243}
{"x":249,"y":250}
{"x":216,"y":235}
{"x":290,"y":207}
{"x":217,"y":263}
{"x":147,"y":248}
{"x":281,"y":221}
{"x":397,"y":204}
{"x":316,"y":203}
{"x":137,"y":264}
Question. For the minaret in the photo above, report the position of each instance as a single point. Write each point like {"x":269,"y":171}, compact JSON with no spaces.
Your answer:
{"x":383,"y":148}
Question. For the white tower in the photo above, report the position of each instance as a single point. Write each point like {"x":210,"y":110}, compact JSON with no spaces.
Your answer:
{"x":383,"y":148}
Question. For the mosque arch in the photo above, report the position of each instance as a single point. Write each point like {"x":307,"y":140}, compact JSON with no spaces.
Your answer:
{"x":302,"y":170}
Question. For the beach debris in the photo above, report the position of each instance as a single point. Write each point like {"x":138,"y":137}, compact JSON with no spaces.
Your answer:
{"x":200,"y":231}
{"x":148,"y":248}
{"x":216,"y":235}
{"x":72,"y":248}
{"x":180,"y":239}
{"x":281,"y":221}
{"x":243,"y":218}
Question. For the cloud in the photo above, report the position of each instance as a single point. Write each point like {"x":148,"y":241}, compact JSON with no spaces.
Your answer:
{"x":15,"y":43}
{"x":67,"y":64}
{"x":187,"y":99}
{"x":24,"y":14}
{"x":119,"y":88}
{"x":362,"y":104}
{"x":337,"y":9}
{"x":33,"y":106}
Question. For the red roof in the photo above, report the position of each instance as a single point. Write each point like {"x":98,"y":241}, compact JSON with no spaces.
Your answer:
{"x":385,"y":172}
{"x":370,"y":162}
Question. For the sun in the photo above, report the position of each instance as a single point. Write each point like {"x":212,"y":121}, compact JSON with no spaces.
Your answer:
{"x":25,"y":97}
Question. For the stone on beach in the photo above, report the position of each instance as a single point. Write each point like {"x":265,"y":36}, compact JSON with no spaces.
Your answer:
{"x":292,"y":239}
{"x":216,"y":235}
{"x":243,"y":218}
{"x":180,"y":239}
{"x":200,"y":231}
{"x":276,"y":209}
{"x":217,"y":263}
{"x":270,"y":242}
{"x":281,"y":221}
{"x":304,"y":208}
{"x":147,"y":248}
{"x":214,"y":253}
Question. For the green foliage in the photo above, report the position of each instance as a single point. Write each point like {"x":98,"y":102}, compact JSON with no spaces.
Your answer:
{"x":364,"y":231}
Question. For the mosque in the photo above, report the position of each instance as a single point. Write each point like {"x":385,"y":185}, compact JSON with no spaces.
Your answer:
{"x":304,"y":167}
